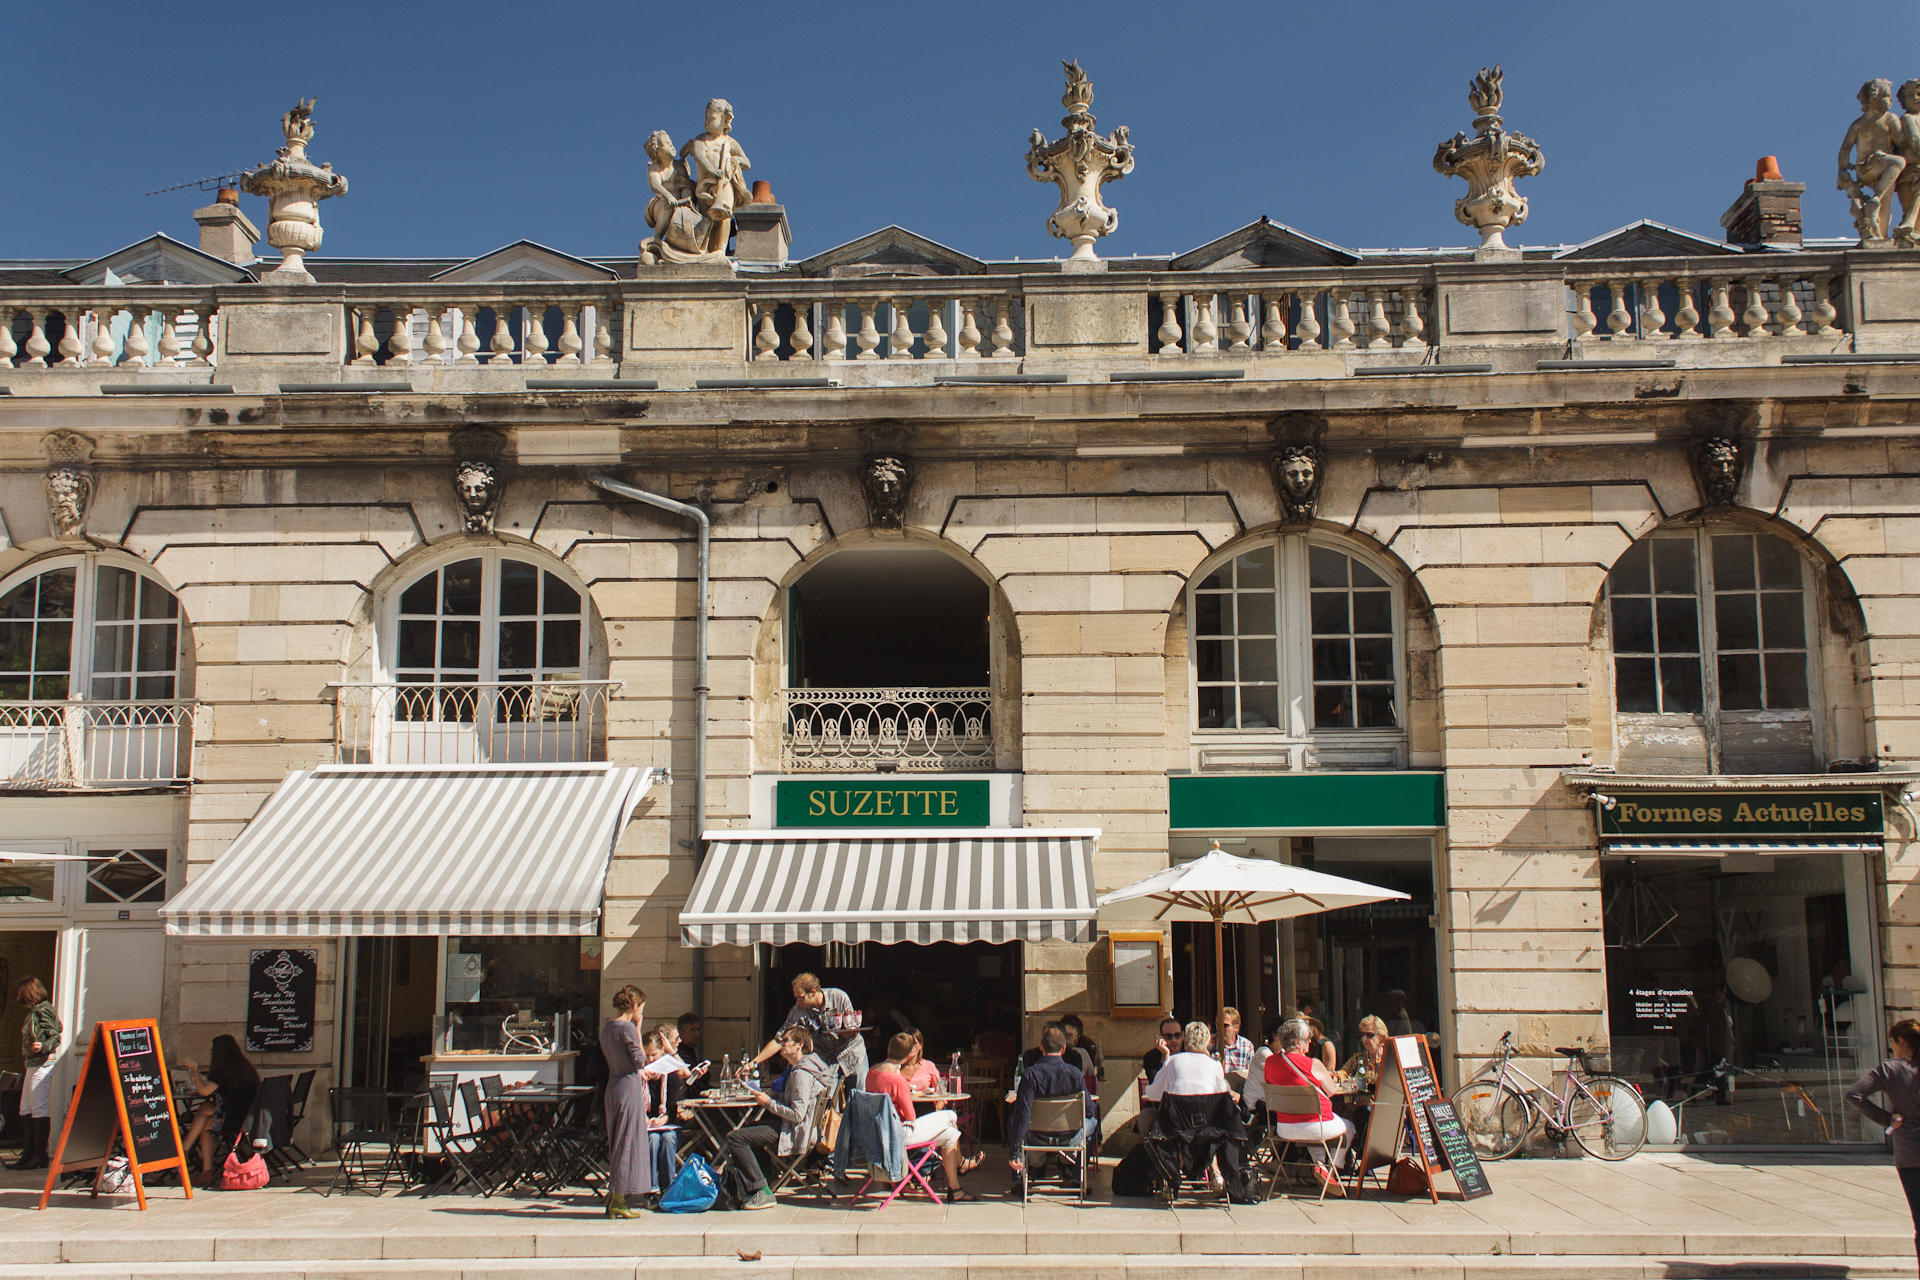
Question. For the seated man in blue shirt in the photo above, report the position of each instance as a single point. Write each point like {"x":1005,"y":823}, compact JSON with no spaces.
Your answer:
{"x":1051,"y":1077}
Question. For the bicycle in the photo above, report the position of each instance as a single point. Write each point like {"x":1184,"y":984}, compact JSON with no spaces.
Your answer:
{"x":1604,"y":1114}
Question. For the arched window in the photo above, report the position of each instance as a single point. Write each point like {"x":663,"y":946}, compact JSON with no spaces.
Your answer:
{"x":1292,"y":635}
{"x":1711,"y":629}
{"x":489,"y":618}
{"x":92,"y":627}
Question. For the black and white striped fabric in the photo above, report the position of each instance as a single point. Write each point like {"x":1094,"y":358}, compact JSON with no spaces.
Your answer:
{"x":865,"y":886}
{"x":366,"y":851}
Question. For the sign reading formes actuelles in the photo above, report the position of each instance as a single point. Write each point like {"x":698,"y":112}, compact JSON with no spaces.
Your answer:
{"x":1744,"y":813}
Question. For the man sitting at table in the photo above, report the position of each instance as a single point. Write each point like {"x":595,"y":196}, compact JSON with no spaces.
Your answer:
{"x":1051,"y":1077}
{"x":808,"y":1075}
{"x":942,"y":1127}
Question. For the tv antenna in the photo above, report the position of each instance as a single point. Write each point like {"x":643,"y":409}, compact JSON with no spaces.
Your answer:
{"x":212,"y":182}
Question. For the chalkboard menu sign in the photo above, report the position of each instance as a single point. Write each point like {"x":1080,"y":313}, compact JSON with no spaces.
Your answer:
{"x":1411,"y":1050}
{"x":280,"y":997}
{"x":1457,"y":1148}
{"x":124,"y":1101}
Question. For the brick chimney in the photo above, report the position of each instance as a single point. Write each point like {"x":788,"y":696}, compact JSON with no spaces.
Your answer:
{"x":1767,"y":212}
{"x":225,"y":232}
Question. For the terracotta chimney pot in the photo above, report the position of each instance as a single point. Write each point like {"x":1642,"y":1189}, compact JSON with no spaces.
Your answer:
{"x":763,"y":193}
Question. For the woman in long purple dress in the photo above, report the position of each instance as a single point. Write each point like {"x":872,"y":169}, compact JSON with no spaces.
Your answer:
{"x":630,"y":1171}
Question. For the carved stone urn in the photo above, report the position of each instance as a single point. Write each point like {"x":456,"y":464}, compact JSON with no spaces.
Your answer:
{"x":1490,"y":163}
{"x":1080,"y":164}
{"x":294,"y":188}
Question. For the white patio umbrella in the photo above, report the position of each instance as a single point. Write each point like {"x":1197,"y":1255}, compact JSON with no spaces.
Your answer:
{"x":1220,"y":887}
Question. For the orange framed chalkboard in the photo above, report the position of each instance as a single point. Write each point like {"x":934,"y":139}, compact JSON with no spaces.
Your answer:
{"x":124,"y":1099}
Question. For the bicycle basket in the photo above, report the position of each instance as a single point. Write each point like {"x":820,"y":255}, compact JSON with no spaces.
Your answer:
{"x":1611,"y":1062}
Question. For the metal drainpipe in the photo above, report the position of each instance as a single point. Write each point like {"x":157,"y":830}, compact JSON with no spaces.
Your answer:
{"x":699,"y":518}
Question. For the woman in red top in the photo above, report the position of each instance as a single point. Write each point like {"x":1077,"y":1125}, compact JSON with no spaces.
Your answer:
{"x":1292,"y":1065}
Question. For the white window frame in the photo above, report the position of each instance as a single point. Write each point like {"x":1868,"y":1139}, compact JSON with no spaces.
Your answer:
{"x":66,"y":875}
{"x":591,"y":666}
{"x":80,"y":673}
{"x":95,"y":912}
{"x":1297,"y":738}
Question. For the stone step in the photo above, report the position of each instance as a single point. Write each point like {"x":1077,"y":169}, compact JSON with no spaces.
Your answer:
{"x":1104,"y":1266}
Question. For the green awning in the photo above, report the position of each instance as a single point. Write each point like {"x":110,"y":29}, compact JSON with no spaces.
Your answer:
{"x":1306,"y":801}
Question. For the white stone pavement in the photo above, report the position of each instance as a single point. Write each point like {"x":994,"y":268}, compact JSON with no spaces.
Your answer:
{"x":1657,"y":1215}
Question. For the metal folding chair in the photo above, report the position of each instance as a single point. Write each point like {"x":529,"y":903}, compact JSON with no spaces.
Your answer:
{"x":917,"y":1158}
{"x":296,"y":1113}
{"x":1055,"y":1115}
{"x":362,"y":1124}
{"x":1298,"y":1100}
{"x":803,"y":1165}
{"x":460,"y":1150}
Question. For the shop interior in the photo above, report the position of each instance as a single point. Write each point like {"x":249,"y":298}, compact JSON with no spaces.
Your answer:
{"x":23,"y":953}
{"x":954,"y":993}
{"x":1761,"y":962}
{"x":892,"y":617}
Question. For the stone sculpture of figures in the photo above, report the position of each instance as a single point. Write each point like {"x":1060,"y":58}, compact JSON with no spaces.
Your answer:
{"x":69,"y":494}
{"x":695,"y":191}
{"x":1716,"y":469}
{"x":886,"y":479}
{"x":1870,"y":160}
{"x":1907,"y":186}
{"x":1079,"y":164}
{"x":1490,"y":163}
{"x":479,"y":488}
{"x":294,"y":188}
{"x":1296,"y":477}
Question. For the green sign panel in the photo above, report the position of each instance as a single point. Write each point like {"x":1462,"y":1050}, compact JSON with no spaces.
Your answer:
{"x":868,"y":802}
{"x":1295,"y":800}
{"x":1744,"y":813}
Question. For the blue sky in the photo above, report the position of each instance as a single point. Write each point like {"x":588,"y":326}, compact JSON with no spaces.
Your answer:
{"x":465,"y":127}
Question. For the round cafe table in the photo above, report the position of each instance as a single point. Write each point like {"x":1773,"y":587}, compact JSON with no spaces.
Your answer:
{"x":969,"y":1137}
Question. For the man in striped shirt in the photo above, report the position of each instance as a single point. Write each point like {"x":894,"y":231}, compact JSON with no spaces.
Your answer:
{"x":1236,"y":1051}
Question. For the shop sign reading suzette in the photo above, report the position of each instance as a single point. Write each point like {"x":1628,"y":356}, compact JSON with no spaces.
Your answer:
{"x":1744,"y":813}
{"x":903,"y":802}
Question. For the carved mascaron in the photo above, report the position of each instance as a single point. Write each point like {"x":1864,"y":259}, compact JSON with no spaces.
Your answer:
{"x":479,"y":488}
{"x":1490,"y":163}
{"x":294,"y":188}
{"x":1296,"y":478}
{"x":1079,"y":164}
{"x":1718,"y":463}
{"x":886,"y":479}
{"x":69,"y":494}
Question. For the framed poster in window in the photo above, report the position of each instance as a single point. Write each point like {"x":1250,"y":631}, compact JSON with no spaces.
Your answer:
{"x":1138,"y":961}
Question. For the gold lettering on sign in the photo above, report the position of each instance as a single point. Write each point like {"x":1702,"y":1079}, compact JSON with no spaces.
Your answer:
{"x":817,"y":803}
{"x":863,"y":804}
{"x":883,"y":805}
{"x":838,"y":810}
{"x":949,"y":804}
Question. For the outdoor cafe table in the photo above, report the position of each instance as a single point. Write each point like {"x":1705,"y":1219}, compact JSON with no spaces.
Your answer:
{"x":969,"y":1136}
{"x":533,"y":1116}
{"x":714,"y":1118}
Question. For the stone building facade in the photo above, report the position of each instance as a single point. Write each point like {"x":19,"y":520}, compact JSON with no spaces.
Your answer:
{"x":1440,"y":568}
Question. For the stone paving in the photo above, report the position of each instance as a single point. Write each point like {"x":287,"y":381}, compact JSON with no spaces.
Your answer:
{"x":1657,"y":1215}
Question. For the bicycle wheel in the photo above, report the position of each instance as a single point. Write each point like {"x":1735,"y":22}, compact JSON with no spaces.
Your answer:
{"x":1496,"y":1120}
{"x":1612,"y":1125}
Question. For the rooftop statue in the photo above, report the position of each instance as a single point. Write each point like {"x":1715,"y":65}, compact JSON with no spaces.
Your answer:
{"x":1907,"y":187}
{"x":1490,"y":163}
{"x":695,"y":191}
{"x":294,"y":188}
{"x":1871,"y":161}
{"x":1079,"y":164}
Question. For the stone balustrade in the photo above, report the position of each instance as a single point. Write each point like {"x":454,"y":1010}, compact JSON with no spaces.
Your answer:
{"x":912,"y":319}
{"x":115,"y":327}
{"x":1711,"y":301}
{"x":486,"y":327}
{"x":1274,"y":318}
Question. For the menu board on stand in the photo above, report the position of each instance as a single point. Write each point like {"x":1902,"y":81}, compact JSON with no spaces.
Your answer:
{"x":124,"y":1101}
{"x":1400,"y":1109}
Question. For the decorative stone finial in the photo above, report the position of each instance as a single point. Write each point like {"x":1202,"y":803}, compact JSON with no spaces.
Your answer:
{"x":695,"y":192}
{"x":886,"y":477}
{"x":1079,"y":164}
{"x":294,"y":188}
{"x":1489,"y":163}
{"x":1880,"y":155}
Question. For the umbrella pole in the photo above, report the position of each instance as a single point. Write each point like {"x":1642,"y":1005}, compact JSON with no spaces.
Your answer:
{"x":1219,"y":980}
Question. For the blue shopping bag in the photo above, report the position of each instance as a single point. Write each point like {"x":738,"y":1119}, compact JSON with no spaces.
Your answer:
{"x":694,"y":1188}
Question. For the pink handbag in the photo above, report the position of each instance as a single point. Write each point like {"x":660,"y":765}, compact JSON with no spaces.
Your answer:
{"x":243,"y":1175}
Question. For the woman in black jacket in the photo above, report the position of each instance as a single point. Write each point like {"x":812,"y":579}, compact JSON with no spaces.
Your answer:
{"x":226,"y":1094}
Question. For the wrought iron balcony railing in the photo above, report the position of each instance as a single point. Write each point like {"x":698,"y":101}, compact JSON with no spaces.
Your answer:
{"x":484,"y":722}
{"x":858,"y":729}
{"x":82,"y":744}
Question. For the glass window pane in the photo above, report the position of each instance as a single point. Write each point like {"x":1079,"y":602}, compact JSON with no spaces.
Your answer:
{"x":1740,"y":682}
{"x":1220,"y":579}
{"x":1373,"y":659}
{"x":115,"y":594}
{"x":460,"y":646}
{"x":50,"y":688}
{"x":1673,"y":566}
{"x":1256,"y":614}
{"x":1787,"y":682}
{"x":111,"y":688}
{"x":14,"y":689}
{"x":52,"y":644}
{"x":156,"y":601}
{"x":1212,"y":615}
{"x":1736,"y":622}
{"x":519,"y":646}
{"x":561,"y":598}
{"x":1632,"y":624}
{"x":1633,"y":571}
{"x":560,"y":645}
{"x":56,"y":593}
{"x":1214,"y":660}
{"x":416,"y":642}
{"x":1333,"y":706}
{"x":1329,"y":613}
{"x":1215,"y":704}
{"x":1373,"y":706}
{"x":158,"y":647}
{"x":18,"y":603}
{"x":419,"y":597}
{"x":1254,"y":567}
{"x":1259,"y":707}
{"x":152,"y":688}
{"x":16,"y":646}
{"x":1363,"y":576}
{"x":1259,"y":660}
{"x":1677,"y":622}
{"x":113,"y":649}
{"x":1783,"y":620}
{"x":1372,"y":612}
{"x":1779,"y":563}
{"x":1680,"y":687}
{"x":1332,"y":660}
{"x":519,"y":589}
{"x":1326,"y":567}
{"x":1733,"y":562}
{"x":460,"y":592}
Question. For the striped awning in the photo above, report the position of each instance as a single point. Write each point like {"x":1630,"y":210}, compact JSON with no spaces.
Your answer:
{"x":364,"y":851}
{"x":1721,"y":848}
{"x":997,"y":885}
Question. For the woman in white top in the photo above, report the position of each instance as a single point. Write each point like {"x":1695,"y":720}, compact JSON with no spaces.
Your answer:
{"x":1190,"y":1071}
